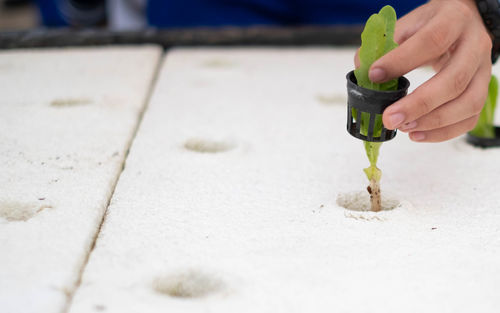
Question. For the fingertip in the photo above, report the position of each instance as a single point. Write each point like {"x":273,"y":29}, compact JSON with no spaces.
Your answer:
{"x":377,"y":74}
{"x":417,"y":136}
{"x":393,"y":117}
{"x":387,"y":123}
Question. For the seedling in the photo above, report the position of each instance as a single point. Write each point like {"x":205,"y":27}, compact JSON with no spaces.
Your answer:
{"x":377,"y":39}
{"x":484,"y":127}
{"x":486,"y":134}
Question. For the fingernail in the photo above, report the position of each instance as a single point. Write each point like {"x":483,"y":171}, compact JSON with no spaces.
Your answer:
{"x":408,"y":126}
{"x":377,"y":74}
{"x":396,"y":119}
{"x":417,"y":136}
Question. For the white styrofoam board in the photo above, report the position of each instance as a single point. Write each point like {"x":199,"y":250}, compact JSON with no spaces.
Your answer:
{"x":67,"y":117}
{"x":257,"y":227}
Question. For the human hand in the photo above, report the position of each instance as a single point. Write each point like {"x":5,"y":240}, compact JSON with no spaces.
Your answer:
{"x":450,"y":36}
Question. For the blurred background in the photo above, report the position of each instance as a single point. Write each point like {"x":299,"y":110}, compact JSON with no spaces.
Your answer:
{"x":17,"y":15}
{"x":138,"y":14}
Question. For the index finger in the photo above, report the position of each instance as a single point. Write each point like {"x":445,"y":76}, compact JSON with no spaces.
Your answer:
{"x":427,"y":44}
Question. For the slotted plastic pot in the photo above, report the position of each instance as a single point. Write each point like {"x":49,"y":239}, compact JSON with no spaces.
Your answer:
{"x":372,"y":102}
{"x":485,"y":142}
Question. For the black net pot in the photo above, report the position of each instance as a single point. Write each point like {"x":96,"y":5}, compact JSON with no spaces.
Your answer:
{"x":372,"y":102}
{"x":485,"y":142}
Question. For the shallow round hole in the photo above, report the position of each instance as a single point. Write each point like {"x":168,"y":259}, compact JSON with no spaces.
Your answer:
{"x":359,"y":201}
{"x":69,"y":102}
{"x":208,"y":146}
{"x":14,"y":211}
{"x":187,"y":284}
{"x":331,"y":99}
{"x":218,"y":63}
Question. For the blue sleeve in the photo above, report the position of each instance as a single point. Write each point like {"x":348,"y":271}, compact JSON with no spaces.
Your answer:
{"x":190,"y":13}
{"x":50,"y":13}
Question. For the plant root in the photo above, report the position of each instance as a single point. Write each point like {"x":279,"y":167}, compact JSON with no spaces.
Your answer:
{"x":375,"y":199}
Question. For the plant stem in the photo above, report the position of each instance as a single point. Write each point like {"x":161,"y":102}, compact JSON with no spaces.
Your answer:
{"x":374,"y":191}
{"x":376,"y":40}
{"x":374,"y":175}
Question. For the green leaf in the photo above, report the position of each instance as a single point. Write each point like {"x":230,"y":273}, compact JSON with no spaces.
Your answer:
{"x":372,"y":150}
{"x":376,"y":40}
{"x":484,"y":127}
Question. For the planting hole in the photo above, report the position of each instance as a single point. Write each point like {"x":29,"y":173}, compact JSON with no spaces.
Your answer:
{"x":207,"y":146}
{"x":187,"y":284}
{"x":359,"y":201}
{"x":331,"y":99}
{"x":218,"y":63}
{"x":69,"y":102}
{"x":16,"y":211}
